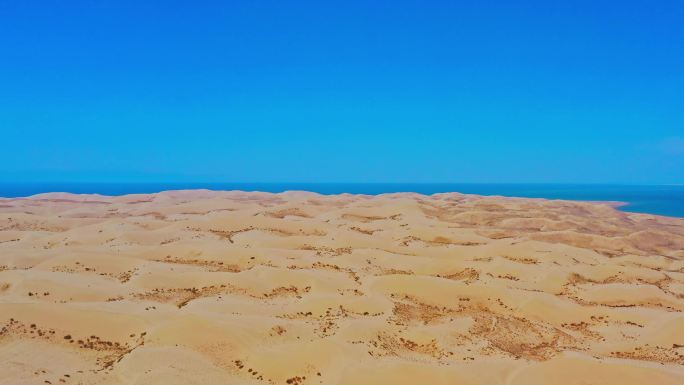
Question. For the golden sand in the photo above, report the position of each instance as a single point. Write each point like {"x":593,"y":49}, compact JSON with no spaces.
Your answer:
{"x":200,"y":287}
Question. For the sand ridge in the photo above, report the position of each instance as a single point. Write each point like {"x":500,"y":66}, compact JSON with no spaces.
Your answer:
{"x":205,"y":287}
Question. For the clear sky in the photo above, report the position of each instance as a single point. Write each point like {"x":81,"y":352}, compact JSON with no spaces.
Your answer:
{"x":323,"y":91}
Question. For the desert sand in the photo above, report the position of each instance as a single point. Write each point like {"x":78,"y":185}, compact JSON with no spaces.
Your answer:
{"x":202,"y":287}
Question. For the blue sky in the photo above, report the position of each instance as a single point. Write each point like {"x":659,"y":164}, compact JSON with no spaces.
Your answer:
{"x":368,"y":91}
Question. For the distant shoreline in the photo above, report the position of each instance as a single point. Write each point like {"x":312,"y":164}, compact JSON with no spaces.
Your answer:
{"x":657,"y":199}
{"x":613,"y":204}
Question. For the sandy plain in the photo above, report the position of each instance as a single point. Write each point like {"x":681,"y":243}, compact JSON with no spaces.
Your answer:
{"x":202,"y":287}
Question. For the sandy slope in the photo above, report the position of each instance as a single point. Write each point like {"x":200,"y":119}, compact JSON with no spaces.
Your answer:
{"x":199,"y":287}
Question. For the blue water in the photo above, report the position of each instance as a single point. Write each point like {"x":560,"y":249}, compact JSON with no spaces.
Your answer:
{"x":661,"y":200}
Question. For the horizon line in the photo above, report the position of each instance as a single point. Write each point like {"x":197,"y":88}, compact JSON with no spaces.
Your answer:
{"x":342,"y":183}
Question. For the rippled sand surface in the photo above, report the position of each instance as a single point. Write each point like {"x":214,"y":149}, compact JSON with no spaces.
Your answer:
{"x":200,"y":287}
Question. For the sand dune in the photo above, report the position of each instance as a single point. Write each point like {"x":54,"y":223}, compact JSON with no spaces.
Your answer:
{"x":203,"y":287}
